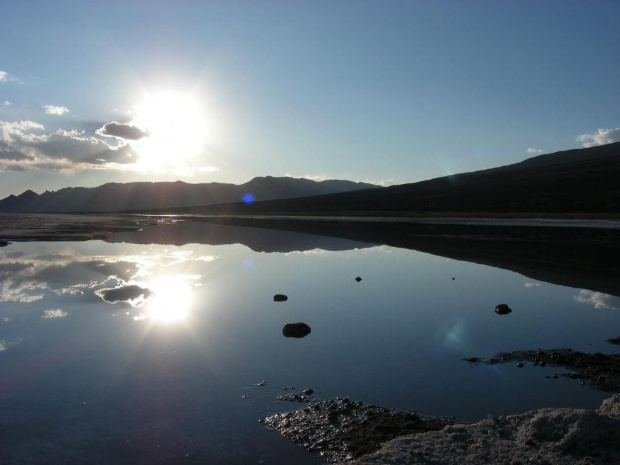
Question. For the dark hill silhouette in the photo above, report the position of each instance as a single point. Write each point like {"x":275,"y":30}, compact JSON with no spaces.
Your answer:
{"x":114,"y":197}
{"x":573,"y":181}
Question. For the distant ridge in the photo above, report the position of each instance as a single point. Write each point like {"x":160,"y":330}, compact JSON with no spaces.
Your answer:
{"x":573,"y":181}
{"x":115,"y":197}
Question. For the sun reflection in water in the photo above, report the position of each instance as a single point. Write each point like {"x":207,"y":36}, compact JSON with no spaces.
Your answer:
{"x":171,"y":300}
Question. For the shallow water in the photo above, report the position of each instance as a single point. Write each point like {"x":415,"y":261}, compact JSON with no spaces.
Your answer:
{"x":170,"y":377}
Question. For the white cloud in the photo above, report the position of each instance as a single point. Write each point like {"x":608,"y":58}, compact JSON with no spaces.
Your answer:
{"x":55,"y":110}
{"x":62,"y":150}
{"x":5,"y":345}
{"x":28,"y":278}
{"x":598,"y":299}
{"x":58,"y":313}
{"x":600,"y":137}
{"x":7,"y":77}
{"x":533,"y":150}
{"x":6,"y":103}
{"x":530,"y":285}
{"x":9,"y":128}
{"x":22,"y":148}
{"x":21,"y":291}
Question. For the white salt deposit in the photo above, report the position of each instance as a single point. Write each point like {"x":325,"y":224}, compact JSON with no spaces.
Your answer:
{"x":544,"y":437}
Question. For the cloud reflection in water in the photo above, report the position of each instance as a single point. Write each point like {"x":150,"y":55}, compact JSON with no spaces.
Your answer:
{"x":597,"y":299}
{"x":155,"y":281}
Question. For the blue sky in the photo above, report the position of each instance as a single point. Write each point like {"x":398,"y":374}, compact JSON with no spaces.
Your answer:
{"x":379,"y":91}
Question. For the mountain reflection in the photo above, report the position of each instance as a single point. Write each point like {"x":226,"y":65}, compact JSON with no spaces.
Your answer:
{"x":199,"y":231}
{"x":573,"y":256}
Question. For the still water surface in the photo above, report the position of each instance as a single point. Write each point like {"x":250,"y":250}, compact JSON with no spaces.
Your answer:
{"x":169,"y":374}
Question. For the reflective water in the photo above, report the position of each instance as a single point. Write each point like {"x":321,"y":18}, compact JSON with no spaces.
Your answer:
{"x":117,"y":352}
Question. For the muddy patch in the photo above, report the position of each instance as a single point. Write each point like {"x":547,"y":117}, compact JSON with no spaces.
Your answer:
{"x":341,"y":429}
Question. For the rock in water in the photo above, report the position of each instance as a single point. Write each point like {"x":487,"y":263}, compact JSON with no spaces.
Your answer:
{"x":502,"y":309}
{"x":4,"y":243}
{"x":358,"y":279}
{"x":297,"y":330}
{"x":280,"y":298}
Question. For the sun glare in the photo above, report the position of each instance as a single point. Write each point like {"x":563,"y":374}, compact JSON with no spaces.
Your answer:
{"x":176,"y":127}
{"x":171,"y":300}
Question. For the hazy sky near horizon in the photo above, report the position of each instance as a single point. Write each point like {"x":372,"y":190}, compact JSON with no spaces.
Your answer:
{"x":380,"y":91}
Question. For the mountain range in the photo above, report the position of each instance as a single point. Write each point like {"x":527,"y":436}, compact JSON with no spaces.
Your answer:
{"x":573,"y":181}
{"x":115,"y":197}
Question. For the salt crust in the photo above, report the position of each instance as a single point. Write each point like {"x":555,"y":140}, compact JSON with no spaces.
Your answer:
{"x":543,"y":437}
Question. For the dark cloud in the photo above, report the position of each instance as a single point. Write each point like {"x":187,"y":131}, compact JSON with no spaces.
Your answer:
{"x":120,"y":155}
{"x":123,"y":294}
{"x":8,"y":153}
{"x":121,"y":131}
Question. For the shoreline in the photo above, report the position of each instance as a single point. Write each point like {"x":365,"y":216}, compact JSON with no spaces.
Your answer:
{"x":343,"y":431}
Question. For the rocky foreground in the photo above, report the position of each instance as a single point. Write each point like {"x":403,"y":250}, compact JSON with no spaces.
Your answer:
{"x":359,"y":434}
{"x":543,"y":437}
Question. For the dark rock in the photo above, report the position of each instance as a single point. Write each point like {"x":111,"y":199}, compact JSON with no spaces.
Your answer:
{"x":520,"y":364}
{"x":614,"y":340}
{"x":4,"y":243}
{"x":358,"y":279}
{"x":297,"y":330}
{"x":502,"y":309}
{"x":293,"y":398}
{"x":341,"y":430}
{"x":308,"y":392}
{"x":280,"y":298}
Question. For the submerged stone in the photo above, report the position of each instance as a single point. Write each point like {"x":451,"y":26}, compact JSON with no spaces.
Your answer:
{"x":297,"y":330}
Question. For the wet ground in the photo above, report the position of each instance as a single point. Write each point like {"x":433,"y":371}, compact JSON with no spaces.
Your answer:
{"x":341,"y":429}
{"x":601,"y":371}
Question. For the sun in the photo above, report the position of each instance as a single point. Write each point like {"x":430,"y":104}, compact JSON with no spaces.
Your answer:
{"x":177,"y":130}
